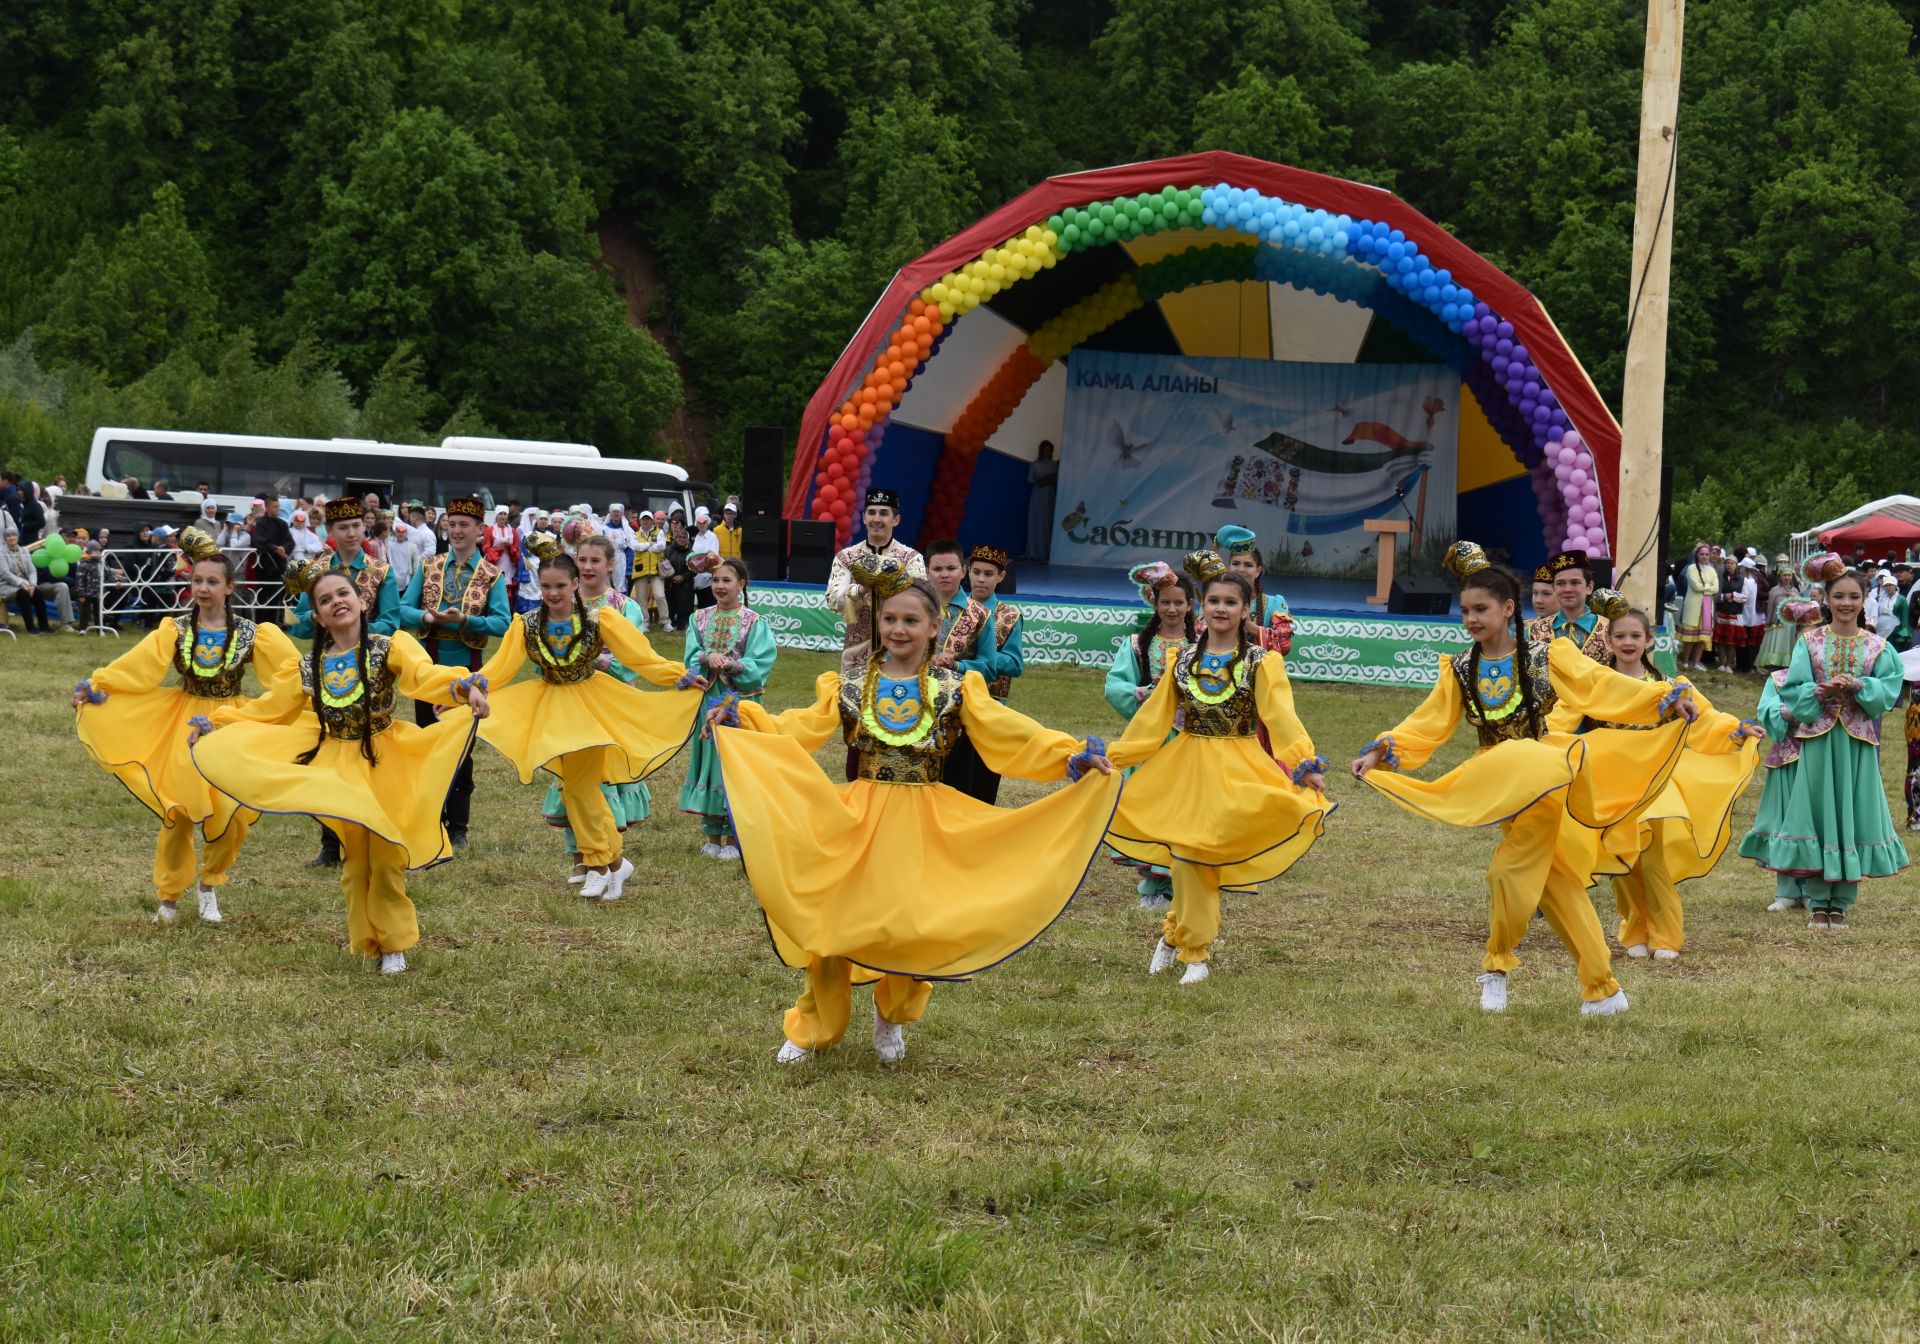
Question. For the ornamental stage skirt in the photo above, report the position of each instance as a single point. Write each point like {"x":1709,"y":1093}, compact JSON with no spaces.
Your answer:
{"x":903,"y":879}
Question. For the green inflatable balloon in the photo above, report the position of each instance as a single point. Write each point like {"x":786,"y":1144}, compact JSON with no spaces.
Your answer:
{"x":41,"y":559}
{"x":58,"y":569}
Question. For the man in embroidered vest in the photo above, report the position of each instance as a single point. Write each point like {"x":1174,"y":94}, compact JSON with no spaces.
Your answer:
{"x":852,"y":601}
{"x":1572,"y":586}
{"x":346,"y":533}
{"x":455,"y":604}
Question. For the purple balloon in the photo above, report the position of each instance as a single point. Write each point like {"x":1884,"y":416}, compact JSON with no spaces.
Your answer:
{"x":1520,"y":352}
{"x":1483,"y":309}
{"x":1593,"y":520}
{"x":1583,"y":458}
{"x":1505,"y":347}
{"x":1531,"y":388}
{"x":1499,"y":363}
{"x":1506,"y":328}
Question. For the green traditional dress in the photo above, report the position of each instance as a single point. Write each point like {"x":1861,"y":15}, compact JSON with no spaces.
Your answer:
{"x":1823,"y":824}
{"x":631,"y":803}
{"x":1776,"y":648}
{"x":747,"y":642}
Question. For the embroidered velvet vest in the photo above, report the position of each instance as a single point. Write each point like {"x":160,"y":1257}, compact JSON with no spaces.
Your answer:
{"x":922,"y":762}
{"x":1005,"y":618}
{"x":472,"y":602}
{"x":343,"y":722}
{"x":366,"y":580}
{"x":586,"y":650}
{"x":1512,"y":727}
{"x":1236,"y":716}
{"x":1595,"y":646}
{"x":223,"y":683}
{"x":1834,"y":655}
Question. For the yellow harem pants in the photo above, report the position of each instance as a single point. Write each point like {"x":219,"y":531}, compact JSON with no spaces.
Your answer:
{"x":173,"y":865}
{"x":373,"y":878}
{"x":1194,"y":921}
{"x":1528,"y":874}
{"x":594,"y":830}
{"x":1649,"y":902}
{"x":819,"y":1016}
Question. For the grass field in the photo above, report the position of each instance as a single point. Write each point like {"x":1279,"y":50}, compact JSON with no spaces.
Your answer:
{"x":565,"y":1122}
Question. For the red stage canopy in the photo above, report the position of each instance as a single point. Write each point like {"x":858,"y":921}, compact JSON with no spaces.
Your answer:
{"x":1880,"y":531}
{"x":1576,"y":393}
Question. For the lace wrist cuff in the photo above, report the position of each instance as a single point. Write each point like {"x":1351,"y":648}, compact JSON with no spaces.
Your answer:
{"x":1313,"y":765}
{"x":1392,"y":759}
{"x":1080,"y":761}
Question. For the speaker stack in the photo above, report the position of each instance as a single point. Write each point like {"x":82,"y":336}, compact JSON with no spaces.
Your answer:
{"x":762,"y":478}
{"x":809,"y":550}
{"x":760,"y":538}
{"x":1420,"y":597}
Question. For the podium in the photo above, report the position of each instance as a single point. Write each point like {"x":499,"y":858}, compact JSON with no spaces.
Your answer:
{"x":1388,"y":530}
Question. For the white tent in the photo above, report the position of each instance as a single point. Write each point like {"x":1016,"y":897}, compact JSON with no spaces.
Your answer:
{"x":1904,"y":507}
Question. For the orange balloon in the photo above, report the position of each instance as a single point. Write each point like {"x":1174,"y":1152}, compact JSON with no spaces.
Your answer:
{"x":921,"y":324}
{"x":849,"y":423}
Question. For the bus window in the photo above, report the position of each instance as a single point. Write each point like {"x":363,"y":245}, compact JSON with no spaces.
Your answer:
{"x":284,"y":473}
{"x":448,"y":486}
{"x":180,"y":465}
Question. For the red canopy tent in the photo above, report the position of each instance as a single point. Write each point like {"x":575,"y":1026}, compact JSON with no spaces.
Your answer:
{"x":1876,"y":531}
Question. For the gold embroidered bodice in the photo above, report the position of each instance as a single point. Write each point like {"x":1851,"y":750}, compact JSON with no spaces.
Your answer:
{"x":1508,"y":722}
{"x":343,"y":721}
{"x":586,"y":651}
{"x":921,"y":762}
{"x":1236,"y":716}
{"x":221,"y":680}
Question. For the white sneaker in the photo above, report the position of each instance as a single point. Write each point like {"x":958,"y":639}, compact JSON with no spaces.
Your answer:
{"x":392,"y":963}
{"x":209,"y":904}
{"x":575,"y":879}
{"x":710,"y":849}
{"x":889,"y":1040}
{"x":1615,"y":1002}
{"x":1493,"y":991}
{"x":1666,"y":954}
{"x":728,"y":853}
{"x":793,"y":1054}
{"x":617,"y":880}
{"x":1156,"y":905}
{"x":1196,"y":972}
{"x":596,"y":884}
{"x":1787,"y":905}
{"x":1637,"y":950}
{"x":1164,"y":955}
{"x":165,"y":913}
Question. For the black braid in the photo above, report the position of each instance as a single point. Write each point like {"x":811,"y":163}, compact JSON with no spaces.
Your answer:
{"x":1505,"y":588}
{"x":366,"y":693}
{"x":1240,"y":633}
{"x":580,"y":614}
{"x":315,"y":670}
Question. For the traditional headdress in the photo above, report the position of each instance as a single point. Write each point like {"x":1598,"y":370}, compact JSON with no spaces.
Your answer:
{"x":1542,"y":575}
{"x":301,"y":575}
{"x":344,"y":508}
{"x":1465,"y":558}
{"x":1204,"y":566}
{"x":197,"y":545}
{"x":545,"y":545}
{"x":1151,"y":578}
{"x":992,"y":555}
{"x":466,"y":506}
{"x":884,"y":577}
{"x":1801,"y":610}
{"x":1824,"y":567}
{"x":1567,"y":560}
{"x":1234,"y":539}
{"x":886,"y":498}
{"x":1609,"y":602}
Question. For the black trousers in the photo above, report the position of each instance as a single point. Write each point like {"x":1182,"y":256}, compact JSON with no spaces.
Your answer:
{"x":458,"y":809}
{"x":969,"y":774}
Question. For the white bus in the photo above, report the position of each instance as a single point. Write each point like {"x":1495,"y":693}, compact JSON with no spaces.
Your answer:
{"x":239,"y":467}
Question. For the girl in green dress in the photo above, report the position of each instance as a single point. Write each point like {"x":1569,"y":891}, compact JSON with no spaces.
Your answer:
{"x":1823,"y":824}
{"x":733,"y":648}
{"x":1138,"y":665}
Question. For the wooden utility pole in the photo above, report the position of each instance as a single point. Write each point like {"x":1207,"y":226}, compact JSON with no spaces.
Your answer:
{"x":1642,"y":400}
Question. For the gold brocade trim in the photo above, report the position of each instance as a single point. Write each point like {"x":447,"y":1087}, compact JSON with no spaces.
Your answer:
{"x":924,"y":711}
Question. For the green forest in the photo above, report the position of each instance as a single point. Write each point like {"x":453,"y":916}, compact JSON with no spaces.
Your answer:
{"x":393,"y":220}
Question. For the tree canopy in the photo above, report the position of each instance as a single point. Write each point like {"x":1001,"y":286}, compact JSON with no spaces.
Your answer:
{"x":394,"y":206}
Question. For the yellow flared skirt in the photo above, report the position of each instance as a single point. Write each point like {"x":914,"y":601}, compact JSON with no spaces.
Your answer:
{"x":1218,"y":802}
{"x":534,"y":723}
{"x":906,"y":879}
{"x":398,"y":798}
{"x":1691,"y":820}
{"x":140,"y":738}
{"x":1605,"y":780}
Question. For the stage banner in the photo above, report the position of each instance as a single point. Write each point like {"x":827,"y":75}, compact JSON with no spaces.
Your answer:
{"x":1161,"y":451}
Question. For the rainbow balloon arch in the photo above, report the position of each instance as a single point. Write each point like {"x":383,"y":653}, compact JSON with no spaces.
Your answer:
{"x":1242,"y":219}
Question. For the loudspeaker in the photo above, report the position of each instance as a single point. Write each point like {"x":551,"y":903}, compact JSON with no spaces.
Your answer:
{"x":760,"y":539}
{"x":1420,"y":597}
{"x":762,"y":481}
{"x":809,"y":550}
{"x":1601,"y":567}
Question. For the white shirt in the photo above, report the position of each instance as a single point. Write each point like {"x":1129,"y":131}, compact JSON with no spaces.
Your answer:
{"x":307,"y":544}
{"x":704,"y":543}
{"x":401,"y":558}
{"x":425,"y":543}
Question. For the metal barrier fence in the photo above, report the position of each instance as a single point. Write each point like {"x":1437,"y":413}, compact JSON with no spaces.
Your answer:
{"x":140,"y":584}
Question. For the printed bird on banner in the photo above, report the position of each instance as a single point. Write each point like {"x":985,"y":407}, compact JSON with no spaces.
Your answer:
{"x":1127,"y":451}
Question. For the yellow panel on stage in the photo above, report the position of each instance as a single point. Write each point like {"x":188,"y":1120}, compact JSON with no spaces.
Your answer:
{"x":1228,"y":320}
{"x":1484,"y":459}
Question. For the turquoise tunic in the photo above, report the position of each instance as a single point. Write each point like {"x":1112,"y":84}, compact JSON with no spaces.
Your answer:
{"x":631,"y":804}
{"x":383,"y":615}
{"x":1824,"y":818}
{"x":715,"y":631}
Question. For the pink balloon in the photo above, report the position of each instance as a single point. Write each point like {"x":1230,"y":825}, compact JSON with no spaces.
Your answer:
{"x":1583,"y":459}
{"x":1572,"y":436}
{"x":1594,"y":520}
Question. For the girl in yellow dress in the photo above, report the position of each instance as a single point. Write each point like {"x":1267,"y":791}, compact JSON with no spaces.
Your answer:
{"x":579,"y":722}
{"x":135,"y":725}
{"x":1688,"y":826}
{"x":325,"y":745}
{"x":1208,"y":803}
{"x":1533,"y":783}
{"x":895,"y":877}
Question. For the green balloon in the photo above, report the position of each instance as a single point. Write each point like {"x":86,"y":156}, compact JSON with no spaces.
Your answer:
{"x":1056,"y":223}
{"x":1107,"y":213}
{"x":41,"y":559}
{"x":58,"y":569}
{"x":69,"y":552}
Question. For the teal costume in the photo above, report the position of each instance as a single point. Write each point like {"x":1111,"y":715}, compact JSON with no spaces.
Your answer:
{"x":1823,"y":824}
{"x":1123,"y":678}
{"x":748,"y":640}
{"x":632,"y":803}
{"x":383,"y":609}
{"x":446,"y":648}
